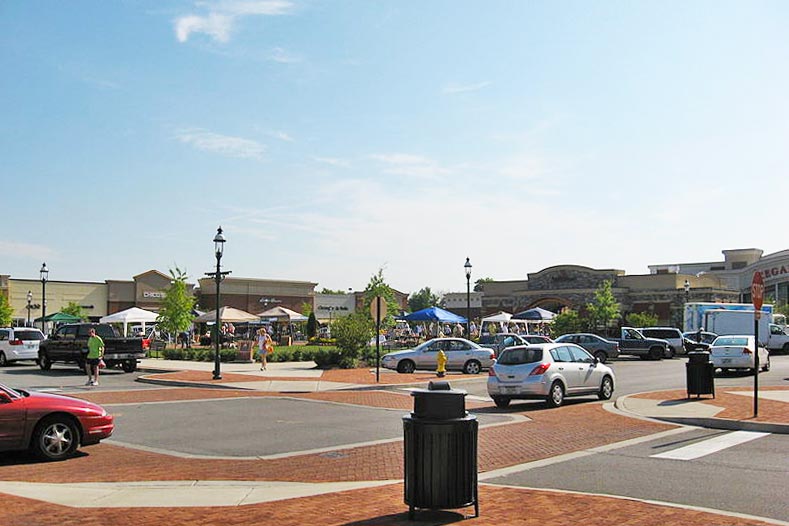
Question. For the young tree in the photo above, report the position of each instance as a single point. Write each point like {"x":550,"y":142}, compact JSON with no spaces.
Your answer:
{"x":312,"y":325}
{"x":422,"y":299}
{"x":332,"y":291}
{"x":604,"y":308}
{"x":351,"y":334}
{"x":6,"y":312}
{"x":566,"y":322}
{"x":75,"y":309}
{"x":175,"y":314}
{"x":480,"y":282}
{"x":642,"y":319}
{"x":378,"y":287}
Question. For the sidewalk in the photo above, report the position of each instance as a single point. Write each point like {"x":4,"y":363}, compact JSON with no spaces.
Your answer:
{"x":359,"y":485}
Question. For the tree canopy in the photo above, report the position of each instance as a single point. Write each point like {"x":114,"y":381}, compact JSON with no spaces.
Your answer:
{"x":6,"y":312}
{"x":604,"y":308}
{"x":75,"y":309}
{"x":422,"y":299}
{"x":175,"y":313}
{"x":378,"y":287}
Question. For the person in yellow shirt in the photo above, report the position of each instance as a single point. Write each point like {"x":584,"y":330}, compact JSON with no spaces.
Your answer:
{"x":95,"y":354}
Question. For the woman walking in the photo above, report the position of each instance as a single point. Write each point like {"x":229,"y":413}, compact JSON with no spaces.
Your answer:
{"x":265,"y":346}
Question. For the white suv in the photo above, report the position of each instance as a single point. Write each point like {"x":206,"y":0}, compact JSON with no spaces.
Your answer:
{"x":671,"y":335}
{"x":19,"y":343}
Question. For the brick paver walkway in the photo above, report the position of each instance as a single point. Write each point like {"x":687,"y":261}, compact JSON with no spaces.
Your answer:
{"x":380,"y":507}
{"x":352,"y":376}
{"x":736,"y":407}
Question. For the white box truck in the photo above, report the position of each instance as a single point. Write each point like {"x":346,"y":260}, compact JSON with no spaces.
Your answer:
{"x":694,"y":313}
{"x":725,"y":322}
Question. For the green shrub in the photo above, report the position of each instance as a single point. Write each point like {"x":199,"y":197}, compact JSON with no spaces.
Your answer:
{"x":228,"y":355}
{"x":352,"y":334}
{"x":327,"y":357}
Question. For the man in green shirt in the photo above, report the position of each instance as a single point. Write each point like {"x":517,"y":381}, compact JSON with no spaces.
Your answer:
{"x":95,"y":353}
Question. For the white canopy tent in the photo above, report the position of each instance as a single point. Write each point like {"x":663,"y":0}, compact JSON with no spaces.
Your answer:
{"x":132,"y":315}
{"x":227,"y":314}
{"x":499,"y":319}
{"x":282,"y":314}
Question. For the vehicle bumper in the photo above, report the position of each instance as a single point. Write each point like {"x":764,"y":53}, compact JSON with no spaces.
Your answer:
{"x":97,"y":428}
{"x":533,"y":387}
{"x":732,"y":362}
{"x":22,"y":354}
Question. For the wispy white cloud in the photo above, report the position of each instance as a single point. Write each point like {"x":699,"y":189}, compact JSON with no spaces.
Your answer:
{"x":283,"y":136}
{"x":283,"y":56}
{"x":26,"y":250}
{"x":221,"y":144}
{"x":451,"y":89}
{"x":332,"y":161}
{"x":410,"y":165}
{"x":220,"y":20}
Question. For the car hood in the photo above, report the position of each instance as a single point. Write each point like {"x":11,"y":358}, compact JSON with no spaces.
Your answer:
{"x":64,"y":402}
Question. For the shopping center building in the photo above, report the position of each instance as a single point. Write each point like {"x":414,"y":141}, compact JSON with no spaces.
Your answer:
{"x":662,"y":291}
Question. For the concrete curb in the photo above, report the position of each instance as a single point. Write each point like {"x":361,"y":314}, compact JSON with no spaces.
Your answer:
{"x":703,"y":421}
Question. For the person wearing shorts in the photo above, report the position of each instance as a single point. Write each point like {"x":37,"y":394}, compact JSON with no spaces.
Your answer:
{"x":95,"y":353}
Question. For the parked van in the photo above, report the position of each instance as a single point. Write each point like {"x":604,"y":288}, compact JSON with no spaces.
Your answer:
{"x":670,"y":334}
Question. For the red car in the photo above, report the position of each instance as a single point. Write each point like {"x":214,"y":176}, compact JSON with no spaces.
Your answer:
{"x":51,"y":426}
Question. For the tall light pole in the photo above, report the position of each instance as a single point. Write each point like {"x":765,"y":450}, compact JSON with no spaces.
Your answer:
{"x":467,"y":268}
{"x":687,"y":291}
{"x":219,"y":247}
{"x":44,"y":275}
{"x":29,"y":306}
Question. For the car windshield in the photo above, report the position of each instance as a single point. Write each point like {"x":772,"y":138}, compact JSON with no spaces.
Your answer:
{"x":487,"y":338}
{"x":724,"y":341}
{"x":28,"y":335}
{"x":11,"y":392}
{"x":520,"y":356}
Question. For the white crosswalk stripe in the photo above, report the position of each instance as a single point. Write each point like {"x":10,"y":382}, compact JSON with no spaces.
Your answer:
{"x":713,"y":445}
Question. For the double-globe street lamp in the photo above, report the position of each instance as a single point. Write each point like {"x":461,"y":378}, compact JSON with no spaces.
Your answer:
{"x":219,"y":247}
{"x":687,"y":291}
{"x":467,"y":268}
{"x":44,"y":275}
{"x":29,"y":305}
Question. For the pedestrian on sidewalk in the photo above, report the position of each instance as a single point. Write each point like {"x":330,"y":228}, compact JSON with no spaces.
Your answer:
{"x":95,"y":355}
{"x":265,"y":346}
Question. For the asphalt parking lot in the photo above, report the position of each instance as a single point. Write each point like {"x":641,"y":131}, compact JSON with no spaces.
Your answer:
{"x":257,"y":427}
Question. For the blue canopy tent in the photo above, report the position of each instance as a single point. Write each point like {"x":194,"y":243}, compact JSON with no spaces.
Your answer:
{"x":434,"y":314}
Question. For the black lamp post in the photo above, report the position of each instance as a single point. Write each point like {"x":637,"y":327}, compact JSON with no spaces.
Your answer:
{"x":467,"y":267}
{"x":44,"y":274}
{"x":687,"y":291}
{"x":219,"y":247}
{"x":29,"y":305}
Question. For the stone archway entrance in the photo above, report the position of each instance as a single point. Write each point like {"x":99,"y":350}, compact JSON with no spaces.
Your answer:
{"x":552,"y":304}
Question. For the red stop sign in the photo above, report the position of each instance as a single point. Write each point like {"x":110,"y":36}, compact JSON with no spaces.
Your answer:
{"x":757,"y":290}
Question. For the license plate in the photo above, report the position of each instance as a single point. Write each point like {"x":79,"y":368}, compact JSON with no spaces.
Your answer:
{"x":727,"y":360}
{"x":510,"y":389}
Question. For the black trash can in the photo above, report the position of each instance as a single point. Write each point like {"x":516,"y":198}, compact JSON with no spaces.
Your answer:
{"x":440,"y":440}
{"x":700,"y":374}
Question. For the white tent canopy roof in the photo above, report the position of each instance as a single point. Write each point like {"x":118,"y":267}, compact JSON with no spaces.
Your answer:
{"x":132,"y":315}
{"x":498,"y":317}
{"x":283,"y":314}
{"x":228,"y":314}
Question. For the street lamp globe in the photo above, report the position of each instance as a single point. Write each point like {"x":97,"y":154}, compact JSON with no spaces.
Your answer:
{"x":467,"y":268}
{"x":219,"y":243}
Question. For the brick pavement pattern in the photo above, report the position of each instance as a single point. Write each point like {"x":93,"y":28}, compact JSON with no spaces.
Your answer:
{"x":354,"y":376}
{"x":380,"y":507}
{"x":736,"y":407}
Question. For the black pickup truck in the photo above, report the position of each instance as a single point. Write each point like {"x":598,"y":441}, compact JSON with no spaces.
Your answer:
{"x":70,"y":344}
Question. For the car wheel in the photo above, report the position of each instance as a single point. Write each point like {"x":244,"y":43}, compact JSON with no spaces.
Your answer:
{"x":501,"y":401}
{"x":601,"y":356}
{"x":3,"y":359}
{"x":656,"y":353}
{"x":606,"y":389}
{"x":555,"y":395}
{"x":406,"y":366}
{"x":766,"y":366}
{"x":55,"y":438}
{"x":669,"y":353}
{"x":472,"y":367}
{"x":129,"y":366}
{"x":44,"y":362}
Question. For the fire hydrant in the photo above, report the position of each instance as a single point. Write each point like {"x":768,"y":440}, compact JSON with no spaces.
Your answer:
{"x":441,"y":362}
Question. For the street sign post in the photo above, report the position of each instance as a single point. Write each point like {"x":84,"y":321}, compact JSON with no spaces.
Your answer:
{"x":757,"y":296}
{"x":378,"y":311}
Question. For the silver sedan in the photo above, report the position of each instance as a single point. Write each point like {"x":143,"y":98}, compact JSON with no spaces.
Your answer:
{"x":462,"y":355}
{"x":550,"y":372}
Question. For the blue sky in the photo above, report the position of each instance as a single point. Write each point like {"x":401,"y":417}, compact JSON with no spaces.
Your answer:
{"x":334,"y":138}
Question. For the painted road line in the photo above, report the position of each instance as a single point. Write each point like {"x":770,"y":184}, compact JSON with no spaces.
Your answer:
{"x":713,"y":445}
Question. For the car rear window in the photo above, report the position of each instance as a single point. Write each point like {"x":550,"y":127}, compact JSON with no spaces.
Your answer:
{"x":520,"y":356}
{"x":728,"y":340}
{"x":28,"y":335}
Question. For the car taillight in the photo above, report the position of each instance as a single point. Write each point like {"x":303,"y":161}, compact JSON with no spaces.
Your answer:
{"x":540,"y":369}
{"x":747,"y":351}
{"x":16,"y":342}
{"x":492,"y":355}
{"x":616,"y":346}
{"x":491,"y":371}
{"x":146,"y":344}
